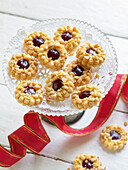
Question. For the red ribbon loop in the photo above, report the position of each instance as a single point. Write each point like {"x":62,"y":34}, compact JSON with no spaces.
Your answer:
{"x":30,"y":136}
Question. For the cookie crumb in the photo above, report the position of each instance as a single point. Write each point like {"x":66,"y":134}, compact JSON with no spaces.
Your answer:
{"x":48,"y":101}
{"x":97,"y":76}
{"x":68,"y":169}
{"x":71,"y":54}
{"x":38,"y":76}
{"x":125,"y":123}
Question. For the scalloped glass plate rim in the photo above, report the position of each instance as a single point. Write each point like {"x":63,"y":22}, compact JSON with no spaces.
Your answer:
{"x":48,"y":21}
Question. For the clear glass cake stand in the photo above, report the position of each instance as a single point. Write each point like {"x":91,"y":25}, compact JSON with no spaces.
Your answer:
{"x":89,"y":33}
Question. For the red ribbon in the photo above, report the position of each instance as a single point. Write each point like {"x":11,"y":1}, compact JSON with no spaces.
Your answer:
{"x":124,"y":93}
{"x":32,"y":135}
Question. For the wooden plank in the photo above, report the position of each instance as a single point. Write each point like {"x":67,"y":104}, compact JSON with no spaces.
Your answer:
{"x":10,"y":112}
{"x":121,"y":46}
{"x":62,"y":146}
{"x":35,"y":162}
{"x":109,"y":16}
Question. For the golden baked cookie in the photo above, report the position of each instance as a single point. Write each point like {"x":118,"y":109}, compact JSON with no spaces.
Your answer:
{"x":68,"y":36}
{"x":29,"y":93}
{"x":81,"y":75}
{"x":33,"y":42}
{"x":58,"y":86}
{"x":87,"y":96}
{"x":53,"y":55}
{"x":114,"y":137}
{"x":90,"y":55}
{"x":23,"y":66}
{"x":86,"y":162}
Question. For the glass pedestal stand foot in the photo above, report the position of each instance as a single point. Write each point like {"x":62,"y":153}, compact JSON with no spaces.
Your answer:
{"x":68,"y":119}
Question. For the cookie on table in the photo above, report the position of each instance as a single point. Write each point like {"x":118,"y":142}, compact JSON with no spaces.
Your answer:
{"x":91,"y":55}
{"x":52,"y":55}
{"x":81,"y":75}
{"x":33,"y":42}
{"x":23,"y":66}
{"x":114,"y":137}
{"x":68,"y":36}
{"x":86,"y":162}
{"x":29,"y":93}
{"x":59,"y":86}
{"x":87,"y":96}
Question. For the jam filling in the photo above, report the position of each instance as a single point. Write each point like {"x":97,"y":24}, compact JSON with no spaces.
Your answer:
{"x":54,"y":54}
{"x":91,"y":51}
{"x":23,"y":64}
{"x":38,"y":41}
{"x":115,"y":135}
{"x":30,"y":90}
{"x":57,"y":84}
{"x":87,"y":164}
{"x":66,"y":36}
{"x":78,"y":71}
{"x":84,"y":94}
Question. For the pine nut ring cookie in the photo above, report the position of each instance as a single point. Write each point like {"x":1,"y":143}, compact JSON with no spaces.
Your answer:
{"x":86,"y":162}
{"x":58,"y":86}
{"x":29,"y":93}
{"x":23,"y":66}
{"x":87,"y":96}
{"x":53,"y":55}
{"x":68,"y":36}
{"x":33,"y":42}
{"x":90,"y":55}
{"x":114,"y":137}
{"x":81,"y":75}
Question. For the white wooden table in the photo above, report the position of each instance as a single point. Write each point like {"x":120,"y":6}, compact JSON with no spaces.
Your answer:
{"x":111,"y":18}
